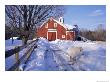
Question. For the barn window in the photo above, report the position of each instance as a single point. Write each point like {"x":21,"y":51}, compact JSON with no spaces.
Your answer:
{"x":46,"y":26}
{"x":63,"y":36}
{"x":55,"y":25}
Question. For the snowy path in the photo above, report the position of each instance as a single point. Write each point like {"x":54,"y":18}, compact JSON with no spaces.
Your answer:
{"x":41,"y":62}
{"x":48,"y":60}
{"x":47,"y":57}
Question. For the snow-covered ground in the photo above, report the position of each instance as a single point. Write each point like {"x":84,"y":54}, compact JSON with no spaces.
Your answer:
{"x":52,"y":56}
{"x":93,"y":58}
{"x":9,"y":45}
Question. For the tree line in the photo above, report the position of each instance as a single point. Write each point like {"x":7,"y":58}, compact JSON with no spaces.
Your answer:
{"x":98,"y":34}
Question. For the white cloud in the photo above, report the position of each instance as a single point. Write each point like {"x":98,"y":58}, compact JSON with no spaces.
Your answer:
{"x":97,"y":13}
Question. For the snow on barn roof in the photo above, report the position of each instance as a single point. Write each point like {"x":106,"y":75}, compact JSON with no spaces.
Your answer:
{"x":70,"y":26}
{"x":66,"y":26}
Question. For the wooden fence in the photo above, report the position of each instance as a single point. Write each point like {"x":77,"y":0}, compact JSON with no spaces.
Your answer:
{"x":24,"y":58}
{"x":16,"y":49}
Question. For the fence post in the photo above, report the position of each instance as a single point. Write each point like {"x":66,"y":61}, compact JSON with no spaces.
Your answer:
{"x":17,"y":59}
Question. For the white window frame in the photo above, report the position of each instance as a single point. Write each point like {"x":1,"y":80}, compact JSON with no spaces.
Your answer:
{"x":46,"y":26}
{"x":63,"y":36}
{"x":55,"y":25}
{"x":52,"y":29}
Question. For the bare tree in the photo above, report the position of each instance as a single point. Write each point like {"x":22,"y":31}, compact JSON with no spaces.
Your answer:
{"x":12,"y":22}
{"x":30,"y":16}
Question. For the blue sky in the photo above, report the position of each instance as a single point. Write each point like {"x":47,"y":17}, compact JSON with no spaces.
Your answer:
{"x":85,"y":16}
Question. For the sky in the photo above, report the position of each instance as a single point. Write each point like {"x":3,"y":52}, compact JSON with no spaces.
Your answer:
{"x":85,"y":16}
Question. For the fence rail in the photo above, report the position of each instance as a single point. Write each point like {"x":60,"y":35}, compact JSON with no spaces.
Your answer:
{"x":23,"y":59}
{"x":16,"y":50}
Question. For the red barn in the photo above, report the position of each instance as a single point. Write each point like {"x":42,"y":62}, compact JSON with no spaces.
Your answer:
{"x":53,"y":29}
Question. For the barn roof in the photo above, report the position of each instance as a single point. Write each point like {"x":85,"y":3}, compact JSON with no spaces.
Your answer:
{"x":70,"y":26}
{"x":66,"y":26}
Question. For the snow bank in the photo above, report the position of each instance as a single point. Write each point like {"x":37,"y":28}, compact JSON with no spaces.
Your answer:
{"x":43,"y":43}
{"x":63,"y":44}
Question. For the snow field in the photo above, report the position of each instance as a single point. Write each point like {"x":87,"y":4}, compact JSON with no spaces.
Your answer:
{"x":53,"y":56}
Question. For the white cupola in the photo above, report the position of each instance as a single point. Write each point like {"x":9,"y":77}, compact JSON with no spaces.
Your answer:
{"x":61,"y":19}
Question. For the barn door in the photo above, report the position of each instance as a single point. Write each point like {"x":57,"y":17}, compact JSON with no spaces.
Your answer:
{"x":51,"y":36}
